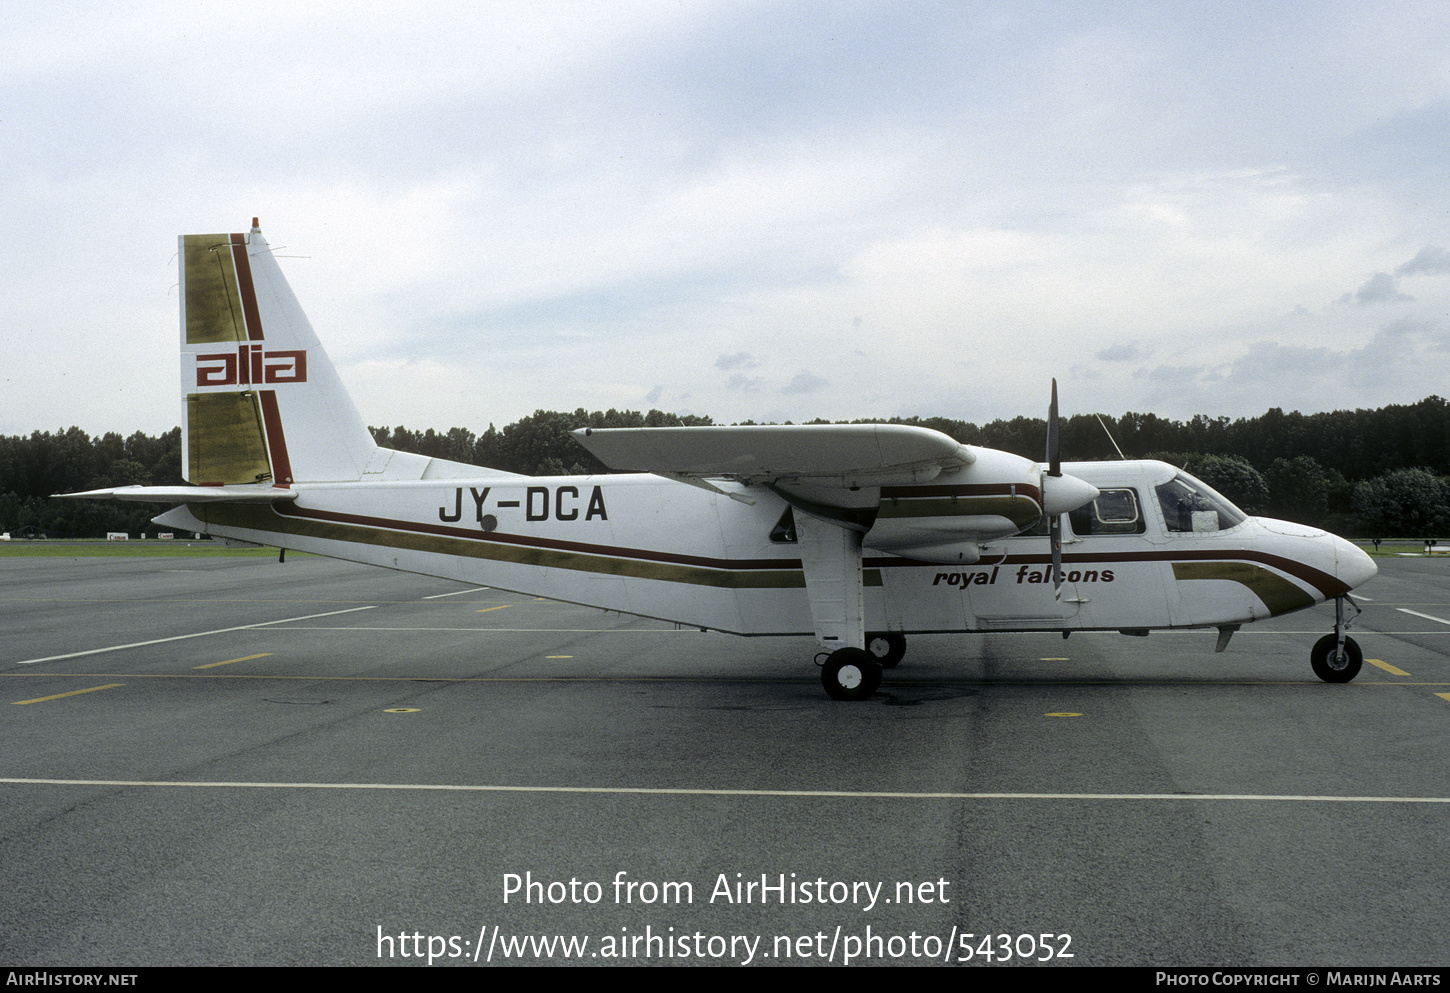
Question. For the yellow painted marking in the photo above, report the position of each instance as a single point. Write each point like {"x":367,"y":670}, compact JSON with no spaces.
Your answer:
{"x":499,"y":607}
{"x":558,"y":656}
{"x":1064,"y":659}
{"x":1062,"y":713}
{"x":42,"y":699}
{"x":402,"y":710}
{"x":1392,"y":670}
{"x":244,"y":658}
{"x":1443,"y":696}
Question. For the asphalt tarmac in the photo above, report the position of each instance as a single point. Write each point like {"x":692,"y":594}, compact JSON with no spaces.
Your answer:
{"x":232,"y":761}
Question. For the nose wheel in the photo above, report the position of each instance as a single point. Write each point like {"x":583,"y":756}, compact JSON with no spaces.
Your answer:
{"x":1333,"y":665}
{"x":1336,"y":657}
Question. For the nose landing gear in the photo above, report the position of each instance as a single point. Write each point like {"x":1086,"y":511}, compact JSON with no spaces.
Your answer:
{"x":1336,"y":658}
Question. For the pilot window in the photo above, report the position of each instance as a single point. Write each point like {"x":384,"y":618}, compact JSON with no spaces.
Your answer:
{"x":1190,"y":505}
{"x":1113,"y":512}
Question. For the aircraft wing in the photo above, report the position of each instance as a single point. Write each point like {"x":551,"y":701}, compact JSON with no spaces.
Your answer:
{"x":242,"y":493}
{"x":827,"y":454}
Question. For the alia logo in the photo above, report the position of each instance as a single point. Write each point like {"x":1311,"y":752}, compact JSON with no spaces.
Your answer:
{"x":250,"y":366}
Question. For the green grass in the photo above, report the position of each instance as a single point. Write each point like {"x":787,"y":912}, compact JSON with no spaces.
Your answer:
{"x":129,"y":549}
{"x":1398,"y":548}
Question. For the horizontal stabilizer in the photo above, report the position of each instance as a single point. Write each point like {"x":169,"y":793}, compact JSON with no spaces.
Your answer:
{"x":850,"y":454}
{"x":242,"y":493}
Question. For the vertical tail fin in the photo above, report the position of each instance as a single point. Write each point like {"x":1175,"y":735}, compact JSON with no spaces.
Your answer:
{"x":250,"y":364}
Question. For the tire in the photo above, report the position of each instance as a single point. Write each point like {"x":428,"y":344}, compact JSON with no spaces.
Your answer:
{"x":850,"y":674}
{"x":1322,"y":659}
{"x":887,"y":647}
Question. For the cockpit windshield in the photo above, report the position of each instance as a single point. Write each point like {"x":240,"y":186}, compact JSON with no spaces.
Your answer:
{"x":1191,"y":505}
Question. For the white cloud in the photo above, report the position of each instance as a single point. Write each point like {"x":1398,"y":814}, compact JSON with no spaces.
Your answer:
{"x":1379,"y":288}
{"x":931,"y":208}
{"x":1429,"y":261}
{"x":804,"y":382}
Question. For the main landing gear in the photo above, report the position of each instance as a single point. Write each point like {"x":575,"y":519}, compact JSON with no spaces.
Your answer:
{"x":886,"y":647}
{"x":1336,"y":658}
{"x":854,"y":673}
{"x":850,"y":674}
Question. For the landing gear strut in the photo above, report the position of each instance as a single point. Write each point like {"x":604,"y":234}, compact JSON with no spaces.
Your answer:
{"x":850,"y":674}
{"x":1336,"y":658}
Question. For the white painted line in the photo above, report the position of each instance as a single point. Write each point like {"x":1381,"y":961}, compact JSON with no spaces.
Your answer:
{"x":1428,"y":617}
{"x":313,"y":627}
{"x":676,"y":791}
{"x":183,"y":637}
{"x":686,"y":629}
{"x":476,"y":589}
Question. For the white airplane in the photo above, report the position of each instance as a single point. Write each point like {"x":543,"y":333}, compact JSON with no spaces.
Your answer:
{"x":858,"y":534}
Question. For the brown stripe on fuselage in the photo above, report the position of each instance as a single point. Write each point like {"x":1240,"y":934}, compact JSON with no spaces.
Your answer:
{"x":517,"y":549}
{"x":474,"y":542}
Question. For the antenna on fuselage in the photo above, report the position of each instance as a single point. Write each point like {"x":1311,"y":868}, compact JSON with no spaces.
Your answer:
{"x":1110,"y":437}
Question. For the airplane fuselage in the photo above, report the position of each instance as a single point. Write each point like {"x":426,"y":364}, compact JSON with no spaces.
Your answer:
{"x":644,"y":545}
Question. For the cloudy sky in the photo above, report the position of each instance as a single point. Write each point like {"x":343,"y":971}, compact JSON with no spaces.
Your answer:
{"x":748,"y":210}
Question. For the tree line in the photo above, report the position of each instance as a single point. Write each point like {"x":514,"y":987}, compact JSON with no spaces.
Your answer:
{"x":34,"y":468}
{"x":1371,"y":473}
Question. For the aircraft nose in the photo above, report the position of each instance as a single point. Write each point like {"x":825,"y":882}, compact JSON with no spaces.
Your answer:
{"x":1064,"y":493}
{"x":1352,"y":564}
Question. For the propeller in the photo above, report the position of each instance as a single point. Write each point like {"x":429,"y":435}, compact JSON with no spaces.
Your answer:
{"x":1054,"y":470}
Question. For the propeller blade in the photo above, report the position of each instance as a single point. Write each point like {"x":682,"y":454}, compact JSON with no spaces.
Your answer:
{"x":1054,"y":469}
{"x":1054,"y":461}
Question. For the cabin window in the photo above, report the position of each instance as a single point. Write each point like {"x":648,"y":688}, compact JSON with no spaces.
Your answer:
{"x":1113,"y":512}
{"x":1192,"y":506}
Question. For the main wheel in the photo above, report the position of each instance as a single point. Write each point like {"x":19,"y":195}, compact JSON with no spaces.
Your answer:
{"x":850,"y":674}
{"x":1333,"y":670}
{"x":887,"y":647}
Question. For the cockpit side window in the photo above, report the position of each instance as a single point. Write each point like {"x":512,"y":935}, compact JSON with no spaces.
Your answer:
{"x":1190,"y":505}
{"x":1114,"y":511}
